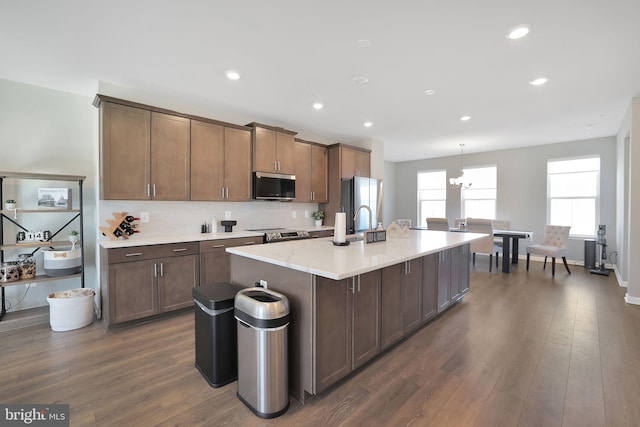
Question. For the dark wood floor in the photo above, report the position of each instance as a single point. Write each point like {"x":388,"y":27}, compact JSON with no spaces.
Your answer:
{"x":520,"y":349}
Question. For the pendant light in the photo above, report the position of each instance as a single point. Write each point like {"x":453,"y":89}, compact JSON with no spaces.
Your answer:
{"x":459,"y":182}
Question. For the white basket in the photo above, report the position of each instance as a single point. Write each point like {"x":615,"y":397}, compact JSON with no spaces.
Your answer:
{"x":71,"y":309}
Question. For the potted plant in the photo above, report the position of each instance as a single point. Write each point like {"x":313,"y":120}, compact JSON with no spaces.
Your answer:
{"x":318,"y":216}
{"x":74,"y":237}
{"x":10,"y":204}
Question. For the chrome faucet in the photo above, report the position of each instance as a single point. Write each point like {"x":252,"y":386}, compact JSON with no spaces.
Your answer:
{"x":355,"y":217}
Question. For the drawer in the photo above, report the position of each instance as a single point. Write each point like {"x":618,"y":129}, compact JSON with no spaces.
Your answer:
{"x":321,"y":233}
{"x":220,"y":244}
{"x":139,"y":253}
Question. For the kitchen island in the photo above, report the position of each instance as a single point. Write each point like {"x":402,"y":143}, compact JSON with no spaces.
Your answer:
{"x":350,"y":303}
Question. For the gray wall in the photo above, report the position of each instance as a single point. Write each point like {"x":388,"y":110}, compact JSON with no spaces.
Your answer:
{"x":48,"y":131}
{"x":522,"y":185}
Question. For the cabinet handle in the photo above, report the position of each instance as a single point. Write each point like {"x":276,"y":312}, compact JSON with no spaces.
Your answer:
{"x":148,"y":190}
{"x":155,"y":270}
{"x":161,"y":269}
{"x":226,"y":193}
{"x":249,"y":243}
{"x":218,"y":246}
{"x":154,"y":190}
{"x":358,"y":283}
{"x":312,"y":196}
{"x":222,"y":192}
{"x":134,"y":254}
{"x":180,"y":250}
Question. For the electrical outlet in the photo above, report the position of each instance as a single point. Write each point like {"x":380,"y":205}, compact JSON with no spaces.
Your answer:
{"x":227,"y":214}
{"x":294,"y":215}
{"x":263,"y":283}
{"x":306,"y":214}
{"x":144,"y":216}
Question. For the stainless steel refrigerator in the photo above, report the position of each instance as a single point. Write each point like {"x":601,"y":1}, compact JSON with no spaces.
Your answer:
{"x":359,"y":191}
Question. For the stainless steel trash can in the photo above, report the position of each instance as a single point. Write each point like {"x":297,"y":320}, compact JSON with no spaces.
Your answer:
{"x":263,"y":381}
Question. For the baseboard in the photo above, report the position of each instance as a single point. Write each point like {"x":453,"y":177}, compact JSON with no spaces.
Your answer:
{"x":621,"y":283}
{"x":25,"y":318}
{"x":631,"y":300}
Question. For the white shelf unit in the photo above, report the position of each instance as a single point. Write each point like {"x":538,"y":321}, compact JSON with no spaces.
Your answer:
{"x":11,"y":216}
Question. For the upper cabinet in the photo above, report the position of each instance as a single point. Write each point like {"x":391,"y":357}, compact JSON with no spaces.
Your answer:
{"x":273,"y":149}
{"x":220,"y":162}
{"x":144,"y":154}
{"x":310,"y":168}
{"x":355,"y":162}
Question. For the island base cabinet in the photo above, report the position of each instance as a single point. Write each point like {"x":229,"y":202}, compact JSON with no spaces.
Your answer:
{"x":347,"y":331}
{"x":429,"y":287}
{"x":453,"y":275}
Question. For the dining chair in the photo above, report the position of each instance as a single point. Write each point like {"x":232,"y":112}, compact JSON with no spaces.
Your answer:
{"x":500,"y":224}
{"x":441,"y":224}
{"x":484,"y":245}
{"x":554,"y":245}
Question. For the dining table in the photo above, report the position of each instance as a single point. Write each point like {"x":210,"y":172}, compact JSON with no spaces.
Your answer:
{"x":510,"y":239}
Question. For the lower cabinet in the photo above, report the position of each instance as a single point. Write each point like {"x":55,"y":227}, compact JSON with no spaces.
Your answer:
{"x":214,"y":260}
{"x":148,"y":280}
{"x":429,"y":287}
{"x":401,"y":300}
{"x":347,"y":325}
{"x":453,"y":275}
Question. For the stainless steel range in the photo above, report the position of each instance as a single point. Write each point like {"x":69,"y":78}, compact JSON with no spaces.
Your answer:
{"x":274,"y":235}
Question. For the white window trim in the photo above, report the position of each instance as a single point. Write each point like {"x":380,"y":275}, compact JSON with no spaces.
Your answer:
{"x":597,"y":197}
{"x":419,"y":200}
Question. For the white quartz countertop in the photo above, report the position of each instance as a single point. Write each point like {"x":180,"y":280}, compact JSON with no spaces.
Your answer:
{"x":141,"y":240}
{"x":321,"y":257}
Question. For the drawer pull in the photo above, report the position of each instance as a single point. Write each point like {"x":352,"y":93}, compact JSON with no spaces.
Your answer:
{"x":134,"y":254}
{"x":180,"y":250}
{"x":218,"y":246}
{"x":249,"y":243}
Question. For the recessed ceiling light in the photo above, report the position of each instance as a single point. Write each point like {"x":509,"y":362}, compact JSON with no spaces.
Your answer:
{"x":233,"y":75}
{"x":363,"y":44}
{"x":318,"y":106}
{"x":361,"y":80}
{"x":368,"y":124}
{"x":518,"y":32}
{"x":538,"y":82}
{"x":465,"y":118}
{"x":429,"y":91}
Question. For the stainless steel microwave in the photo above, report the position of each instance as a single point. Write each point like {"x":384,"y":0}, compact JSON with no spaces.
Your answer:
{"x":274,"y":186}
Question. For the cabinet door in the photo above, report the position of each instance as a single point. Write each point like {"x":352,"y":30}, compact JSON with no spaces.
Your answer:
{"x":214,"y":268}
{"x":454,"y":273}
{"x":132,"y":290}
{"x":333,"y":331}
{"x":237,"y":164}
{"x":319,"y":174}
{"x":429,"y":287}
{"x":302,"y":170}
{"x":177,"y":278}
{"x":444,"y":298}
{"x":207,"y":161}
{"x":170,"y":157}
{"x":264,"y":150}
{"x":284,"y":152}
{"x":464,"y":269}
{"x":412,"y":294}
{"x":366,"y":318}
{"x":126,"y":156}
{"x":391,"y":317}
{"x":348,"y":163}
{"x":362,"y":163}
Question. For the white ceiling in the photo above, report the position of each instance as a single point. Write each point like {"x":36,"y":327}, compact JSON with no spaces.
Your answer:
{"x":291,"y":53}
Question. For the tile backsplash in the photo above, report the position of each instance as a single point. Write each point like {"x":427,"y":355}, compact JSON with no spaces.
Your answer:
{"x":169,"y":218}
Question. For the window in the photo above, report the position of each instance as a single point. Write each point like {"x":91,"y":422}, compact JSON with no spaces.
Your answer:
{"x":479,"y":200}
{"x":432,"y":195}
{"x":573,"y":194}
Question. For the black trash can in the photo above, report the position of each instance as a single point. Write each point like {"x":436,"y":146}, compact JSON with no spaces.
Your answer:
{"x":216,"y":334}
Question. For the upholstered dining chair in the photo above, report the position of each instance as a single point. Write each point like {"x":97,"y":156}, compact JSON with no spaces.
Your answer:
{"x":500,"y":224}
{"x":484,"y":245}
{"x":441,"y":224}
{"x":554,"y":245}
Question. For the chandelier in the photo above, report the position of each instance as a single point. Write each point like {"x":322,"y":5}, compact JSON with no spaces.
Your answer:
{"x":460,"y":182}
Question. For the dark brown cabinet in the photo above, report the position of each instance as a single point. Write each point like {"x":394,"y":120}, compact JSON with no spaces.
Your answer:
{"x":412,"y":295}
{"x":401,"y":300}
{"x":310,"y":168}
{"x":214,"y":261}
{"x":148,"y":280}
{"x":272,"y":149}
{"x":144,"y":154}
{"x":453,"y":275}
{"x":429,"y":287}
{"x":220,"y":162}
{"x":347,"y":325}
